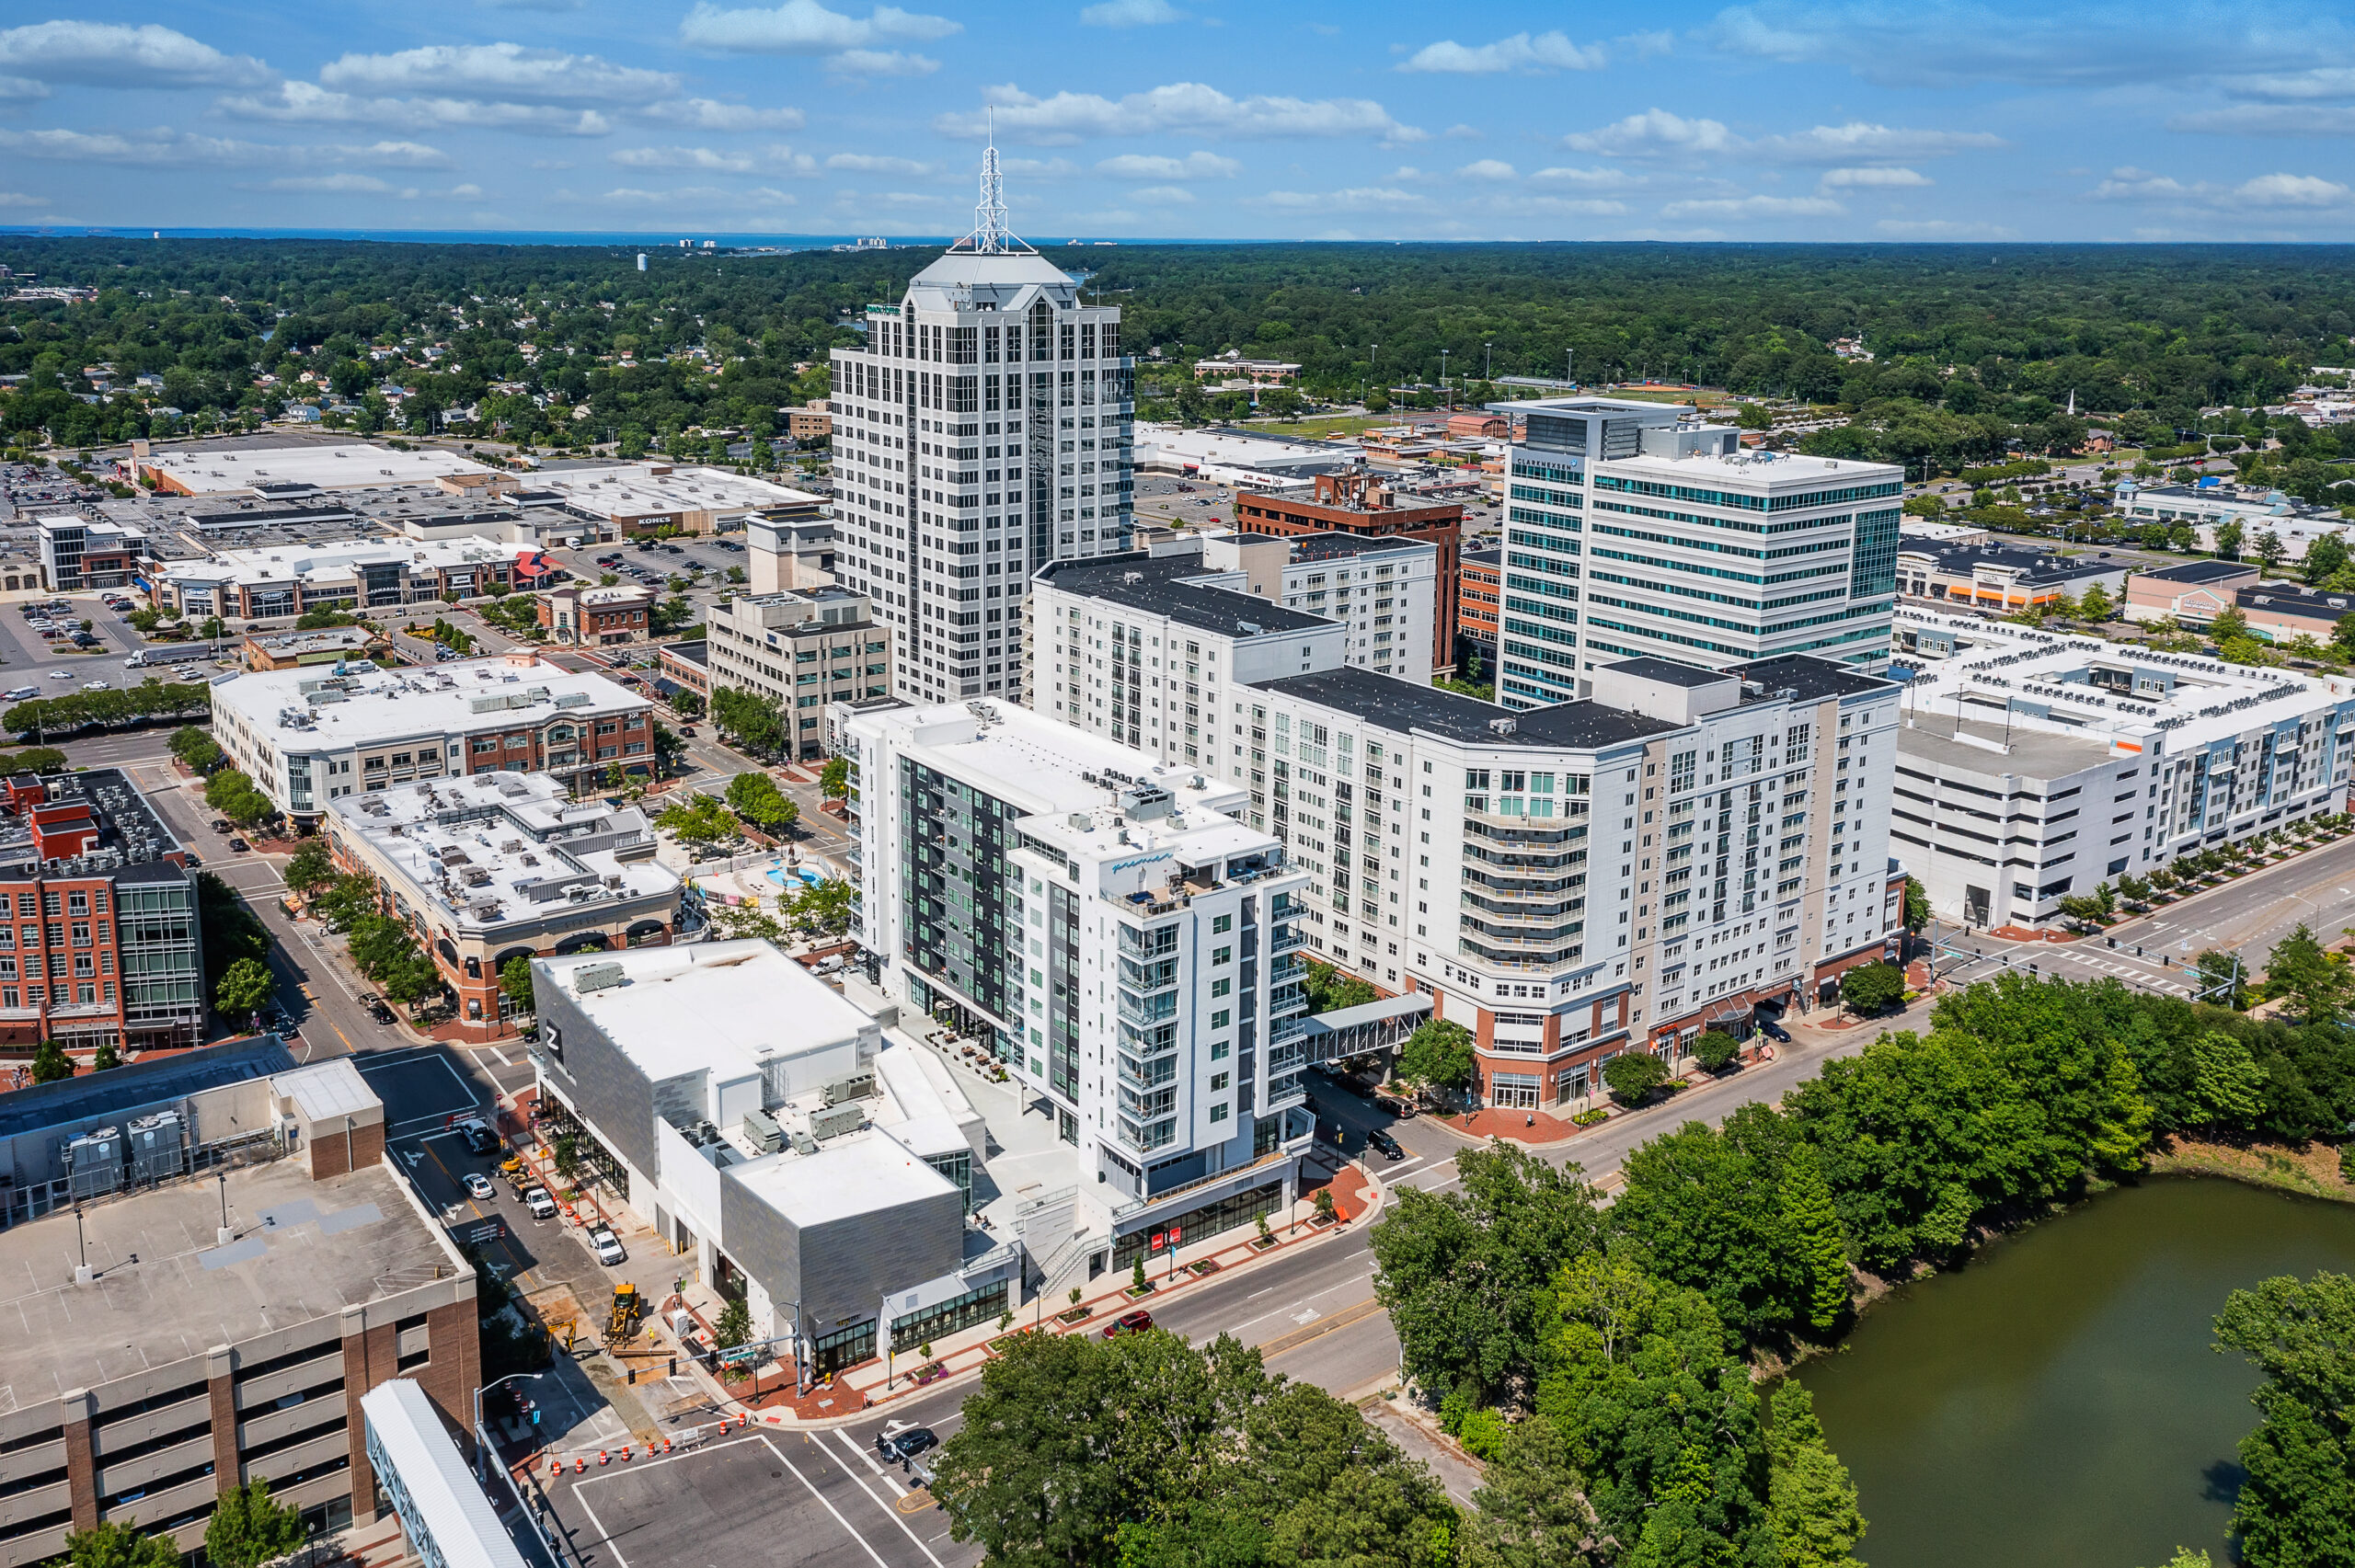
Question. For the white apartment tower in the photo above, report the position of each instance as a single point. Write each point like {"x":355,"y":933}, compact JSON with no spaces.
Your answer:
{"x":1686,"y":849}
{"x":1123,"y":945}
{"x":1632,"y":534}
{"x":982,"y":432}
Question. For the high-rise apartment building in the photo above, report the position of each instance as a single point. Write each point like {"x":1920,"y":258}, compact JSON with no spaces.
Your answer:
{"x":1362,"y":504}
{"x":982,"y":432}
{"x":1630,"y":533}
{"x":1124,"y":945}
{"x":1688,"y":849}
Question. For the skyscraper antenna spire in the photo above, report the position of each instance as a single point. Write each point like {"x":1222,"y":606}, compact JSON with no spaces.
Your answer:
{"x":989,"y":236}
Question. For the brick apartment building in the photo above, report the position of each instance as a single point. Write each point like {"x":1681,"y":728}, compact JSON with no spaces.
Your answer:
{"x":1359,"y":503}
{"x":1476,"y":601}
{"x":103,"y":945}
{"x":591,"y":617}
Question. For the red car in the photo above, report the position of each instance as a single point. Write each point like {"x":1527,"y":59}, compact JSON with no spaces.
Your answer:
{"x":1133,"y":1323}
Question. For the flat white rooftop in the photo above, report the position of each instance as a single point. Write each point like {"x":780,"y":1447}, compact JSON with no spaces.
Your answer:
{"x":450,"y":699}
{"x":720,"y":1007}
{"x":496,"y":849}
{"x":1045,"y":767}
{"x":857,"y":1174}
{"x":336,"y":559}
{"x":357,"y":466}
{"x":637,"y":489}
{"x":1763,"y":470}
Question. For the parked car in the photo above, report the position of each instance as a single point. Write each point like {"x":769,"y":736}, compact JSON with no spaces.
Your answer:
{"x":1129,"y":1322}
{"x":542,"y":1205}
{"x":477,"y":1184}
{"x":94,"y":685}
{"x":606,"y":1245}
{"x":1397,"y":1106}
{"x":24,"y":693}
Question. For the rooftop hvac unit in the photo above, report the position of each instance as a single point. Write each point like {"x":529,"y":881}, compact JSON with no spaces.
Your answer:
{"x":763,"y":1129}
{"x":836,"y":1120}
{"x":94,"y":1163}
{"x":156,"y":1146}
{"x":596,"y":977}
{"x":855,"y":1086}
{"x":802,"y":1142}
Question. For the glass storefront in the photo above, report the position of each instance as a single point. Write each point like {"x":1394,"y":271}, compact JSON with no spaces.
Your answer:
{"x":844,"y":1347}
{"x":1199,"y":1224}
{"x":944,"y":1318}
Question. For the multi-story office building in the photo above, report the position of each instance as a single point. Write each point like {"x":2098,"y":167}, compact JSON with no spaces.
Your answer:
{"x":176,"y":1336}
{"x":307,"y":737}
{"x":104,"y":947}
{"x":1477,"y":605}
{"x":1383,"y":591}
{"x":1684,"y":850}
{"x":800,"y":651}
{"x":1127,"y":948}
{"x":2033,"y":767}
{"x":767,"y":1132}
{"x":982,"y":432}
{"x":1144,"y":649}
{"x":633,"y":499}
{"x":1359,"y":503}
{"x":357,"y":575}
{"x":497,"y":866}
{"x":593,"y":617}
{"x":77,"y":553}
{"x":1630,"y":533}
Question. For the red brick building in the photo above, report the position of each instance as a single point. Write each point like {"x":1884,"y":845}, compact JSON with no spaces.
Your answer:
{"x":1359,"y":503}
{"x":99,"y":938}
{"x":590,"y":617}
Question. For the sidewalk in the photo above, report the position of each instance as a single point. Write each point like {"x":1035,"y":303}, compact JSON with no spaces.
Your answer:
{"x":772,"y":1397}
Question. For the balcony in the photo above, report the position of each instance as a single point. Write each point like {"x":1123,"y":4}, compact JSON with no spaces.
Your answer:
{"x":1145,"y":1011}
{"x":1286,"y":939}
{"x":1287,"y":1002}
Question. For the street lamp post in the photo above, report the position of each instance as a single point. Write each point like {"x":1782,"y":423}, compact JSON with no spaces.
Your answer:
{"x":1442,"y":379}
{"x":482,"y":1470}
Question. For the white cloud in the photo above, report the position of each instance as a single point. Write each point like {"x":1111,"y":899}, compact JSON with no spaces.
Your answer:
{"x":1181,"y":108}
{"x":1943,"y":228}
{"x":1653,"y":133}
{"x":1545,"y":53}
{"x":1130,"y":13}
{"x":2291,"y":190}
{"x":870,"y":163}
{"x":882,"y":62}
{"x":1163,"y":195}
{"x":309,"y":103}
{"x":683,"y":158}
{"x":710,"y":114}
{"x":108,"y":54}
{"x":1755,"y":207}
{"x":1489,"y":169}
{"x":1463,"y":133}
{"x":19,"y":198}
{"x":2298,"y":86}
{"x":158,"y":148}
{"x":1040,"y":169}
{"x":391,"y":154}
{"x":1645,"y":45}
{"x":804,"y":27}
{"x":1359,"y":199}
{"x":2131,"y":184}
{"x":1194,"y":166}
{"x":532,"y":4}
{"x":1572,"y":207}
{"x":1950,"y":43}
{"x":1873,"y":179}
{"x":1585,"y":179}
{"x":1859,"y":141}
{"x":331,"y":184}
{"x":22,"y":89}
{"x":502,"y":72}
{"x":694,"y":196}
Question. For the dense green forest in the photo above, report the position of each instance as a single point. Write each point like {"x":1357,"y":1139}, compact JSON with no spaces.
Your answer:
{"x":1971,"y":347}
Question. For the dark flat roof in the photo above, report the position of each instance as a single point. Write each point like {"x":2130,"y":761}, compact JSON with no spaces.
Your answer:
{"x":1398,"y":703}
{"x":1645,"y":667}
{"x":91,"y":1095}
{"x":2291,"y":596}
{"x":1325,"y":546}
{"x":1484,"y":557}
{"x":1813,"y":679}
{"x":1156,"y":585}
{"x":2200,"y":571}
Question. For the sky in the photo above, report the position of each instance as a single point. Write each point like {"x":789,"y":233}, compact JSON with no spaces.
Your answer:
{"x":1771,"y":120}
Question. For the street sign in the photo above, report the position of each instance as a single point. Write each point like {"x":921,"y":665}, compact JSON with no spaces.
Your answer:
{"x":739,"y":1355}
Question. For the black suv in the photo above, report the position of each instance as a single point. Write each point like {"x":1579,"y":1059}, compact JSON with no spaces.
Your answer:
{"x":903,"y":1446}
{"x":1388,"y":1145}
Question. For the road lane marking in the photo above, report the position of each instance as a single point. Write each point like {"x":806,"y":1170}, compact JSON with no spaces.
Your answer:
{"x":830,"y":1507}
{"x":1317,"y":1330}
{"x":861,"y":1454}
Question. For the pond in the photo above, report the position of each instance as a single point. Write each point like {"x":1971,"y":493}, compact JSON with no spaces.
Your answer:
{"x":2056,"y":1403}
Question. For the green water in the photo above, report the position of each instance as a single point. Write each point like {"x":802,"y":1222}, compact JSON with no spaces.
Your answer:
{"x":2055,"y":1405}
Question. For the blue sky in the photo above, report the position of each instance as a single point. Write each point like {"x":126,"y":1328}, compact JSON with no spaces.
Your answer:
{"x":1773,"y":120}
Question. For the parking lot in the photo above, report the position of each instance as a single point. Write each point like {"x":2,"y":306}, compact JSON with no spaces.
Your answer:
{"x":813,"y":1498}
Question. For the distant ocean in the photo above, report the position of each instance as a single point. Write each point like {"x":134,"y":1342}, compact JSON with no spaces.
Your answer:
{"x":646,"y":242}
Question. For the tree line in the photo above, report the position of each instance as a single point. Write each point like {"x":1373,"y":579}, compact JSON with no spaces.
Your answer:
{"x":1601,"y":1357}
{"x":152,"y":698}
